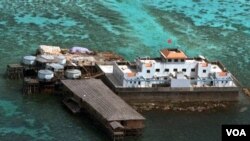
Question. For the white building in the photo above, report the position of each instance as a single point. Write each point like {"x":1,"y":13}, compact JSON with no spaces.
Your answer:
{"x":173,"y":69}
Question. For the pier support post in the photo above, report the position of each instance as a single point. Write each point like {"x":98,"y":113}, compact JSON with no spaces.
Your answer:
{"x":14,"y":71}
{"x":30,"y":86}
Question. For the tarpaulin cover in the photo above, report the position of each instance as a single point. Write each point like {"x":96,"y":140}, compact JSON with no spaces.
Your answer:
{"x":80,"y":50}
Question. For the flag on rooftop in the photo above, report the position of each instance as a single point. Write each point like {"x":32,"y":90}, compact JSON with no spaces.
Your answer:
{"x":169,"y":41}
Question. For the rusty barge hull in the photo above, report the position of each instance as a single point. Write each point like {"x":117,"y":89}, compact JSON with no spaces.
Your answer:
{"x":179,"y":95}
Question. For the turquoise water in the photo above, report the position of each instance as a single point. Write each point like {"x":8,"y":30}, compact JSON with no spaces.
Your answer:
{"x":219,"y":30}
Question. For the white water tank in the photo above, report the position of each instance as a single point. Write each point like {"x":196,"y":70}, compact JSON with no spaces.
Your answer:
{"x":61,"y":60}
{"x":55,"y":66}
{"x":73,"y":73}
{"x":48,"y":57}
{"x":45,"y":74}
{"x":29,"y":60}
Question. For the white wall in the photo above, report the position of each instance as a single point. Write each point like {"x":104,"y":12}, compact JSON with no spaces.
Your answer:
{"x":171,"y":66}
{"x":225,"y":81}
{"x":180,"y":83}
{"x":207,"y":69}
{"x":119,"y":75}
{"x":155,"y":77}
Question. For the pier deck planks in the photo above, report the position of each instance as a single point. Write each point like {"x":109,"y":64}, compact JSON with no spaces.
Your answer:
{"x":110,"y":106}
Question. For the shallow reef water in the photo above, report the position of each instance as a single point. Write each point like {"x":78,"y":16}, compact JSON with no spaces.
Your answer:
{"x":216,"y":29}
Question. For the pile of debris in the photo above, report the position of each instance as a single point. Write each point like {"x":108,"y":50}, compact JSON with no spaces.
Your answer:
{"x":52,"y":50}
{"x":76,"y":56}
{"x":246,"y":91}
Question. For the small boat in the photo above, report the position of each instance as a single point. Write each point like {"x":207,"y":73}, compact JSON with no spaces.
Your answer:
{"x":72,"y":105}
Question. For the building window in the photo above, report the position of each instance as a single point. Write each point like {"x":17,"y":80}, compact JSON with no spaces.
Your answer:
{"x":204,"y":71}
{"x":175,"y":60}
{"x":139,"y":82}
{"x":169,"y":60}
{"x":184,"y":70}
{"x":166,"y":70}
{"x":175,"y":70}
{"x":130,"y":82}
{"x":182,"y":60}
{"x":157,"y":70}
{"x":192,"y":70}
{"x":148,"y":71}
{"x":222,"y":81}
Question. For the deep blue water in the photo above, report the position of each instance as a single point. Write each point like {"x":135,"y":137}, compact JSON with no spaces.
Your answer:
{"x":219,"y":30}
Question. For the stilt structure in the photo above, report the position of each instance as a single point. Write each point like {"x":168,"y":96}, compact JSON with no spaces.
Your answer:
{"x":14,"y":71}
{"x":47,"y":86}
{"x":59,"y":74}
{"x":30,"y":86}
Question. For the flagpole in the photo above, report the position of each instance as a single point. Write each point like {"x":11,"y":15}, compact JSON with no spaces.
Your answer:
{"x":169,"y":41}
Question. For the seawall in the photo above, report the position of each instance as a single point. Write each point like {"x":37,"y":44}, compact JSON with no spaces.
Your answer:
{"x":178,"y":99}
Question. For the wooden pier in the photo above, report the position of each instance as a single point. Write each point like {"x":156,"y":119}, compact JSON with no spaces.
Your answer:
{"x":116,"y":116}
